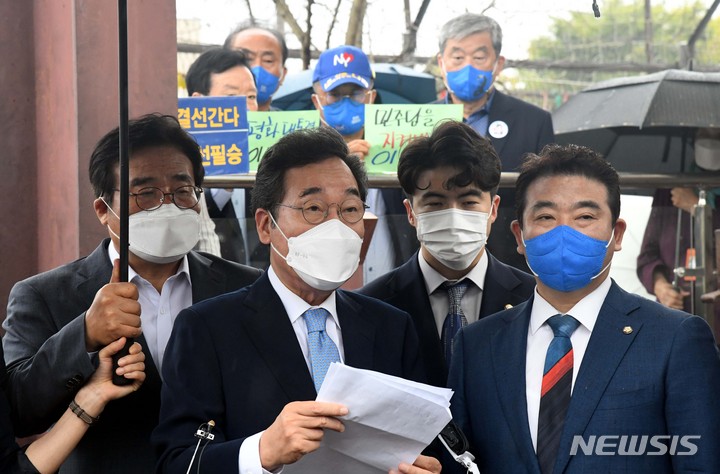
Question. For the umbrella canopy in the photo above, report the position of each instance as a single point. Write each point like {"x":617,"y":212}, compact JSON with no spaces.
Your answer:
{"x":395,"y":84}
{"x":643,"y":123}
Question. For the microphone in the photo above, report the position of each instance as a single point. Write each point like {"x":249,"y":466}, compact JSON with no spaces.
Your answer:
{"x":203,"y":433}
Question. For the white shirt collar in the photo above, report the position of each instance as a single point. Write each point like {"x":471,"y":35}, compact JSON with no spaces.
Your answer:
{"x":586,"y":310}
{"x":296,"y":306}
{"x":433,"y":279}
{"x":115,"y":255}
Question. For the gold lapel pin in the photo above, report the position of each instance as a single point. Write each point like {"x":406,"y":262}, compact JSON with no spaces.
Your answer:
{"x":508,"y":306}
{"x":627,"y":330}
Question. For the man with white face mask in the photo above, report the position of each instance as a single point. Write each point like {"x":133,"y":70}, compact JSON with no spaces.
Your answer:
{"x":56,"y":321}
{"x":450,"y":178}
{"x":262,"y":352}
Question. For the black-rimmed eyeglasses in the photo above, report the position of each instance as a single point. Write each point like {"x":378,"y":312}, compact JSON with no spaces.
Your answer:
{"x":151,"y":198}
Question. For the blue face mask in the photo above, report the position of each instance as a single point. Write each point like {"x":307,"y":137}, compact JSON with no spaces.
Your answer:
{"x":266,"y":82}
{"x":469,"y":84}
{"x":346,"y":116}
{"x":565,"y":259}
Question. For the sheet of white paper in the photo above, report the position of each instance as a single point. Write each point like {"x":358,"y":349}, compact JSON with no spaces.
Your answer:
{"x":390,"y":420}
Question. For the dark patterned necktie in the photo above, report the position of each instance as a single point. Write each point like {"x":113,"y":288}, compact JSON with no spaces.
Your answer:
{"x":455,"y":318}
{"x":323,"y":350}
{"x":556,"y":388}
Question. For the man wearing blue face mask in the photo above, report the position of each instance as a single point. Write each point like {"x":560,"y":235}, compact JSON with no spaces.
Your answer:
{"x":584,"y":377}
{"x":266,"y":52}
{"x":451,"y":180}
{"x":343,"y":85}
{"x":470,"y":63}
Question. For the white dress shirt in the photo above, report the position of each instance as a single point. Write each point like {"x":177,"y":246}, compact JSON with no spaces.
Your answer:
{"x":249,"y":456}
{"x":439,"y":301}
{"x":540,"y":335}
{"x":159,"y":310}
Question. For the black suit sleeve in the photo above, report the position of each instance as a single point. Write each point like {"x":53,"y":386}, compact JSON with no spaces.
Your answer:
{"x":46,"y":364}
{"x":192,"y":395}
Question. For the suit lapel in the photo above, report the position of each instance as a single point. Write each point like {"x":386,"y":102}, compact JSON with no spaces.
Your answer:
{"x":268,"y":326}
{"x":411,"y":295}
{"x":497,"y":291}
{"x":358,"y":333}
{"x":94,"y":272}
{"x":508,"y":353}
{"x":498,"y":111}
{"x":606,"y":349}
{"x":206,"y":281}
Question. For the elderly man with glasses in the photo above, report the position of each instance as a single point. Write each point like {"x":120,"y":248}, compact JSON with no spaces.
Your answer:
{"x":343,"y":84}
{"x":57,"y":320}
{"x":253,"y":360}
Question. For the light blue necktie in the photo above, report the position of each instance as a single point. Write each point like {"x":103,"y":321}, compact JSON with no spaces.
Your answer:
{"x":323,"y":350}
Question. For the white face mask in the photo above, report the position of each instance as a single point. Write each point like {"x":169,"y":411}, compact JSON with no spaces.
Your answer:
{"x":454,"y":237}
{"x":325,"y":256}
{"x":164,"y":235}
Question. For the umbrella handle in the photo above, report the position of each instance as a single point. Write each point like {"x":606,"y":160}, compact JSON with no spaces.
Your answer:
{"x":120,"y":379}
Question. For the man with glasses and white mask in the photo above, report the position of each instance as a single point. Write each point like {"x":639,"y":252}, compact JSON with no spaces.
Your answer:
{"x":451,"y":179}
{"x":56,"y":321}
{"x":253,"y":360}
{"x":343,"y":85}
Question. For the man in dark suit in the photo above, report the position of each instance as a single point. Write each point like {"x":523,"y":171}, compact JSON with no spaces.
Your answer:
{"x":251,"y":360}
{"x":470,"y":61}
{"x":450,"y":178}
{"x":57,"y":320}
{"x":584,"y":377}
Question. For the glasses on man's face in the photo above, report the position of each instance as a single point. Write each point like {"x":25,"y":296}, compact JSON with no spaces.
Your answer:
{"x":151,"y":198}
{"x":357,"y":96}
{"x":350,"y":210}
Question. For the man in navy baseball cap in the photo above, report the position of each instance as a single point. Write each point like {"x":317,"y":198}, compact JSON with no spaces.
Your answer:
{"x":343,"y":84}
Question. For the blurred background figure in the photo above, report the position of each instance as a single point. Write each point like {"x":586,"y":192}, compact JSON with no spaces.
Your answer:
{"x":670,"y":218}
{"x":266,"y":51}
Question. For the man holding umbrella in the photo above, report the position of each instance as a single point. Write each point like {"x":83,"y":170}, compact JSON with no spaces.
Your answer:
{"x":56,"y":321}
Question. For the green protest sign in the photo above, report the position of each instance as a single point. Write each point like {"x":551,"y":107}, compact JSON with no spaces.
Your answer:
{"x":266,"y":128}
{"x":388,"y":128}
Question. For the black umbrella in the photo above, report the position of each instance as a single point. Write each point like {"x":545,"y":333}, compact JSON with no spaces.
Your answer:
{"x":642,"y":123}
{"x":395,"y":84}
{"x":124,"y":167}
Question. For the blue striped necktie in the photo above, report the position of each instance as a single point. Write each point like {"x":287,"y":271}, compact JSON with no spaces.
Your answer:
{"x":455,"y":318}
{"x":556,"y":389}
{"x":323,"y":350}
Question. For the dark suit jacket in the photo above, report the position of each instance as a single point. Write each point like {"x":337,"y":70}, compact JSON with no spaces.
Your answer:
{"x":235,"y":359}
{"x":662,"y":378}
{"x":529,"y":130}
{"x":47,"y":361}
{"x":405,"y":289}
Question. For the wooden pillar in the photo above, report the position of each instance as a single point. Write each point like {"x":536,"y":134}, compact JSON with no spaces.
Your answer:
{"x":59,"y":74}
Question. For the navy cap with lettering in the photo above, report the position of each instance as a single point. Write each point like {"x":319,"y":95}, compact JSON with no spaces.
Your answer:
{"x":343,"y":65}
